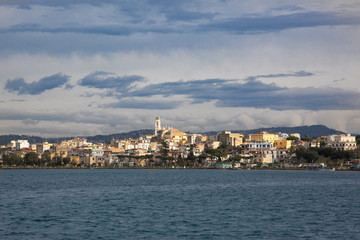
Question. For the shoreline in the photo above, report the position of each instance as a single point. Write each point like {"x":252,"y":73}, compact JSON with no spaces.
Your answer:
{"x":164,"y":168}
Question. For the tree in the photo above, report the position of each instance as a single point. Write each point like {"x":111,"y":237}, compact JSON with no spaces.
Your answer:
{"x":13,"y":159}
{"x":308,"y":155}
{"x":216,"y":152}
{"x":45,"y":158}
{"x":306,"y":138}
{"x":66,"y":160}
{"x":292,"y":138}
{"x":165,"y":149}
{"x":191,"y":158}
{"x":31,"y":159}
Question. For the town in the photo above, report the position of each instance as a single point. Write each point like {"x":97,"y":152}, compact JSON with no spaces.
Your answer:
{"x":169,"y":147}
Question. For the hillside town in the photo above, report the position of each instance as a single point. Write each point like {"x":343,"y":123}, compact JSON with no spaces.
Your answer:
{"x":169,"y":147}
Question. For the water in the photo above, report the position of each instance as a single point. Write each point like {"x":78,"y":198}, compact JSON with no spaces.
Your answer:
{"x":179,"y":204}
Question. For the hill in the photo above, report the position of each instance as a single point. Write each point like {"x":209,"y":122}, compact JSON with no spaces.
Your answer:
{"x":311,"y":131}
{"x":5,"y":139}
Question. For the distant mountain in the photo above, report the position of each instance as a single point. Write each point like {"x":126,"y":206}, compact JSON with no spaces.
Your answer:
{"x":311,"y":131}
{"x":5,"y":139}
{"x":132,"y":134}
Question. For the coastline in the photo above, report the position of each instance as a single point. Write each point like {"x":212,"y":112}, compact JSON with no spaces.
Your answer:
{"x":179,"y":168}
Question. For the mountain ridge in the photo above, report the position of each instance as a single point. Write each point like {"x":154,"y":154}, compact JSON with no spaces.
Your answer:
{"x":311,"y":131}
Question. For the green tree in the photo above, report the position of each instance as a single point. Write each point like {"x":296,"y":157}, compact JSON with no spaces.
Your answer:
{"x":31,"y":159}
{"x":308,"y":155}
{"x":164,"y":149}
{"x":292,"y":138}
{"x":66,"y":160}
{"x":191,"y":158}
{"x":45,"y":158}
{"x":306,"y":138}
{"x":13,"y":159}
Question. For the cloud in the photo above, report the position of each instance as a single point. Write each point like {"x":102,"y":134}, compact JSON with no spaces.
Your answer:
{"x":242,"y":25}
{"x":251,"y":93}
{"x":144,"y":104}
{"x":107,"y":80}
{"x":46,"y":83}
{"x":281,"y":75}
{"x":124,"y":19}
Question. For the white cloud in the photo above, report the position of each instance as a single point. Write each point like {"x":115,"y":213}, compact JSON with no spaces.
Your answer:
{"x":160,"y":45}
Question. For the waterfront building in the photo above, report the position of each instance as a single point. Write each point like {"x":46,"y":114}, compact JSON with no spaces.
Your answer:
{"x":224,"y":165}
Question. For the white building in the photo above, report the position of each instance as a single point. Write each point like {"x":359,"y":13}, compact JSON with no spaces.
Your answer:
{"x":342,"y":142}
{"x":282,"y":136}
{"x":295,"y":135}
{"x":258,"y":145}
{"x":20,"y":144}
{"x":157,"y":125}
{"x":97,"y":152}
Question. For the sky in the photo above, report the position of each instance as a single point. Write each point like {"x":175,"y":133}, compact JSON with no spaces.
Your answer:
{"x":83,"y":68}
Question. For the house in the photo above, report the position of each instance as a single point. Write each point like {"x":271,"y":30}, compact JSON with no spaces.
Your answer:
{"x":230,"y":139}
{"x":224,"y":165}
{"x":342,"y":142}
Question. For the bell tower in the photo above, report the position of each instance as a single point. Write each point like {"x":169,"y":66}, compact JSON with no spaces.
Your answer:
{"x":157,"y":125}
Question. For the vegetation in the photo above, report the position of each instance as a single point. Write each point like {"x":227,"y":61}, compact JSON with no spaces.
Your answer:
{"x":292,"y":138}
{"x":32,"y":159}
{"x":327,"y":155}
{"x":306,"y":138}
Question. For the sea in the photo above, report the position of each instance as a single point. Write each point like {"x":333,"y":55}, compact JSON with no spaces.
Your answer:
{"x":178,"y":204}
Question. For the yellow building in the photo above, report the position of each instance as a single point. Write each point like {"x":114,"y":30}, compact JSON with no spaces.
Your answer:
{"x":62,"y":150}
{"x":230,"y":139}
{"x":75,"y":159}
{"x":176,"y":136}
{"x":153,"y":146}
{"x":264,"y":136}
{"x":282,"y":144}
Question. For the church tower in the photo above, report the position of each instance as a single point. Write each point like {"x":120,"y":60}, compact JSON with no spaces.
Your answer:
{"x":157,"y":125}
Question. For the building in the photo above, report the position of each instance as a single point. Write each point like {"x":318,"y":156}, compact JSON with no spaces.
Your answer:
{"x":42,"y":147}
{"x":176,"y":136}
{"x":283,"y":144}
{"x":157,"y":125}
{"x":258,"y":145}
{"x":230,"y":139}
{"x":297,"y":135}
{"x":342,"y":142}
{"x":263,"y":136}
{"x":20,"y":144}
{"x":224,"y":165}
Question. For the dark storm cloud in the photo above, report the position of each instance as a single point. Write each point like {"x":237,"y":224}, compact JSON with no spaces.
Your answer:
{"x":276,"y":23}
{"x":159,"y":17}
{"x":250,"y":93}
{"x":106,"y":80}
{"x":46,"y":83}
